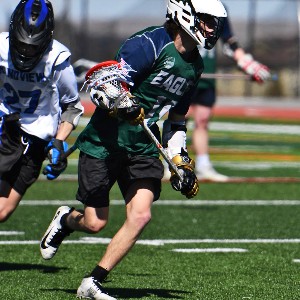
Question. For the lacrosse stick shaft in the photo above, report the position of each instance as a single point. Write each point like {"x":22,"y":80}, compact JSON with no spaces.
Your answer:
{"x":228,"y":76}
{"x":162,"y":150}
{"x":69,"y":151}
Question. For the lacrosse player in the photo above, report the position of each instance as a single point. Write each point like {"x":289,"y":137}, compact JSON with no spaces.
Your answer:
{"x":39,"y":101}
{"x":204,"y":99}
{"x":163,"y":64}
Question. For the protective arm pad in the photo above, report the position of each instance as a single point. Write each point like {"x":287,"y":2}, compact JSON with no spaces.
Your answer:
{"x":174,"y":137}
{"x":72,"y":112}
{"x":189,"y":186}
{"x":230,"y":47}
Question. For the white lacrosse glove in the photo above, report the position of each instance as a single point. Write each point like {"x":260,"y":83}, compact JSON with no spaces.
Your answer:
{"x":258,"y":71}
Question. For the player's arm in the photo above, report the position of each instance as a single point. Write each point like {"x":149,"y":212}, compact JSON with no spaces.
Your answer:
{"x":137,"y":54}
{"x":174,"y":140}
{"x":244,"y":60}
{"x":71,"y":110}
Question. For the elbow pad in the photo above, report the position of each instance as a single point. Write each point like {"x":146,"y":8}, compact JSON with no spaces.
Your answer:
{"x":230,"y":46}
{"x":72,"y":113}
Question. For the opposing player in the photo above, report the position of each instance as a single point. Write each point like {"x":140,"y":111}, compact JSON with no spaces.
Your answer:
{"x":39,"y":101}
{"x":164,"y":64}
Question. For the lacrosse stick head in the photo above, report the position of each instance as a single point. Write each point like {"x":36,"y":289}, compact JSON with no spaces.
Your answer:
{"x":108,"y":81}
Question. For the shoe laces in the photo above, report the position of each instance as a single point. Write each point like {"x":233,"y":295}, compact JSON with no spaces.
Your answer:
{"x":59,"y":236}
{"x":99,"y":286}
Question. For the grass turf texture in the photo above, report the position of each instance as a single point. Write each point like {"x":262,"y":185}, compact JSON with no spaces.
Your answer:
{"x":265,"y":271}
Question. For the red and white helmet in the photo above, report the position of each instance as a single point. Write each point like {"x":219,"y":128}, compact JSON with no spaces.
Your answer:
{"x":190,"y":14}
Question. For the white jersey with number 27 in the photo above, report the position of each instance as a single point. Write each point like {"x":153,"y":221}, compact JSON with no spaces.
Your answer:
{"x":39,"y":94}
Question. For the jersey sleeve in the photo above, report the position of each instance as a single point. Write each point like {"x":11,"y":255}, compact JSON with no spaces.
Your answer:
{"x":139,"y":53}
{"x":227,"y":32}
{"x":66,"y":82}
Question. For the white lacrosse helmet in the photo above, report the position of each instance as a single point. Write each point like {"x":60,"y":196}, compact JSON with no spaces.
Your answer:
{"x":195,"y":16}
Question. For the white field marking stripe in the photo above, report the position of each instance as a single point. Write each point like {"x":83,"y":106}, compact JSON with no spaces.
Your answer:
{"x":236,"y":127}
{"x":95,"y":240}
{"x":211,"y":250}
{"x":251,"y":128}
{"x":105,"y":241}
{"x":12,"y":232}
{"x":175,"y":202}
{"x":252,"y":165}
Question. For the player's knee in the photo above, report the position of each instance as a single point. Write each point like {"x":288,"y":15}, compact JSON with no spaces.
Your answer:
{"x":95,"y":226}
{"x":4,"y":215}
{"x":141,"y":220}
{"x":202,"y":122}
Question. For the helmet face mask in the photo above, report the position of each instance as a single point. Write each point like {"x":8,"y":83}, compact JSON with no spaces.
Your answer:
{"x":202,"y":20}
{"x":210,"y":27}
{"x":30,"y":33}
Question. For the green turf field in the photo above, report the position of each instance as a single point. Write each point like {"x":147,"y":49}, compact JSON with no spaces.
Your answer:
{"x":237,"y":240}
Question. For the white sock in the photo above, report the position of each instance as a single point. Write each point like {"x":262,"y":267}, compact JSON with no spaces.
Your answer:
{"x":202,"y":161}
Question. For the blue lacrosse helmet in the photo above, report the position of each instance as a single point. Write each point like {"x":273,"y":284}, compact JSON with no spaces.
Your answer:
{"x":30,"y":33}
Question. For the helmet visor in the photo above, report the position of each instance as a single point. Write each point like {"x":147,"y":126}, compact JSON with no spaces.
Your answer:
{"x":27,"y":50}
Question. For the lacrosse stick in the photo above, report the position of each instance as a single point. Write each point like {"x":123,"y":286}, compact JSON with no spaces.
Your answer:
{"x":228,"y":76}
{"x":161,"y":150}
{"x":68,"y":152}
{"x":110,"y":78}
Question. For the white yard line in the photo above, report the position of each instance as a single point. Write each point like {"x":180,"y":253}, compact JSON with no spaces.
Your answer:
{"x":255,"y":128}
{"x":162,"y":242}
{"x":174,"y":202}
{"x":12,"y":232}
{"x":252,"y":165}
{"x":237,"y":127}
{"x":211,"y":250}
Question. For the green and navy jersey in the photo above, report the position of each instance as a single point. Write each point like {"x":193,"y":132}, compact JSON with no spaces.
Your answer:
{"x":210,"y":60}
{"x":162,"y":78}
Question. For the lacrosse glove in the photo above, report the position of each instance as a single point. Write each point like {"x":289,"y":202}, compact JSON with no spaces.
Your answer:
{"x":134,"y":114}
{"x":189,"y":186}
{"x":258,"y":71}
{"x":58,"y":162}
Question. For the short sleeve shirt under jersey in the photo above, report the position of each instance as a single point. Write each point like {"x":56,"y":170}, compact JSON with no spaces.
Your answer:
{"x":209,"y":57}
{"x":161,"y":77}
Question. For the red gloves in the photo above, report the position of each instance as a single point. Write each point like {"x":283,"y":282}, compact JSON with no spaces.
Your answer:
{"x":258,"y":71}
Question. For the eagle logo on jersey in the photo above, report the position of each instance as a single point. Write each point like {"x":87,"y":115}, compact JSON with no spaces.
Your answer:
{"x":169,"y":62}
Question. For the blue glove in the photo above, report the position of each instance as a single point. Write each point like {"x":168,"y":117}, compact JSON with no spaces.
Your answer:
{"x":58,"y":162}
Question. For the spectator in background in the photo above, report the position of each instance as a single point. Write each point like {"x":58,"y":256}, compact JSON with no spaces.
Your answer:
{"x":204,"y":98}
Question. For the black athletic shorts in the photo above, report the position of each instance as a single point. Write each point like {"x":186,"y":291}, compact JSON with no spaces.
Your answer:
{"x":97,"y":176}
{"x":205,"y":97}
{"x":26,"y":169}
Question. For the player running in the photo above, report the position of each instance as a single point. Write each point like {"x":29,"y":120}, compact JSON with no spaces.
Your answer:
{"x":39,"y":101}
{"x":164,"y":64}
